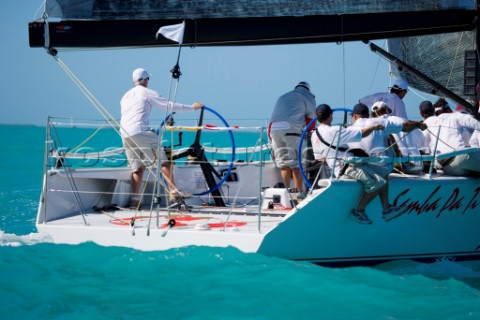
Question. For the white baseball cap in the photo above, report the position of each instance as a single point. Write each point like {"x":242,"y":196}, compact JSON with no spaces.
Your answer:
{"x":400,"y":84}
{"x":140,"y":74}
{"x":304,"y":84}
{"x":379,"y":105}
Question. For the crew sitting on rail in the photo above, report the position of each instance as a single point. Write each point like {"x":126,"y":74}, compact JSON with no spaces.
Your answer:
{"x":450,"y":139}
{"x":333,"y":143}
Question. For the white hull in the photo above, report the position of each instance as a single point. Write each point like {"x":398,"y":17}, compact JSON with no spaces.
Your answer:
{"x":442,"y":219}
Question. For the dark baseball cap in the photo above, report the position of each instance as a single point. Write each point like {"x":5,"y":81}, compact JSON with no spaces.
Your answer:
{"x":426,"y":107}
{"x":361,"y":109}
{"x":323,"y":111}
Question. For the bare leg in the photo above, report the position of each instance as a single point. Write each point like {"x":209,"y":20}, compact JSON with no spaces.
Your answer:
{"x":384,"y":196}
{"x":367,"y":198}
{"x":297,"y":179}
{"x":167,"y":174}
{"x":136,"y":183}
{"x":286,"y":176}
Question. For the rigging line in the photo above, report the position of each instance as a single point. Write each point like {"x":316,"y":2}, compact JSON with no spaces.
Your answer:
{"x":417,"y":93}
{"x":98,"y":106}
{"x":142,"y":194}
{"x":319,"y":173}
{"x":89,"y":138}
{"x":437,"y":138}
{"x":173,"y":103}
{"x":68,"y":173}
{"x":335,"y":150}
{"x":236,"y":196}
{"x":344,"y":72}
{"x":113,"y":216}
{"x":455,"y":58}
{"x":376,"y":69}
{"x":343,"y":66}
{"x":175,"y":75}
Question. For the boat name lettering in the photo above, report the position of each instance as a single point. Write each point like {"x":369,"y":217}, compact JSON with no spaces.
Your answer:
{"x":435,"y":201}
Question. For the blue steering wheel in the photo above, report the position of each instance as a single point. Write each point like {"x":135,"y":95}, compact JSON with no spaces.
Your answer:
{"x":232,"y":140}
{"x":232,"y":160}
{"x":304,"y":133}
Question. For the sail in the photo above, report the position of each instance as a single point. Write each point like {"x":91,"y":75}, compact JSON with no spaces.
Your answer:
{"x":440,"y":57}
{"x":131,"y":23}
{"x":197,"y":9}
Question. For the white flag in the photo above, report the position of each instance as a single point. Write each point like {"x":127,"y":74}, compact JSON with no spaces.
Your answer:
{"x":173,"y":32}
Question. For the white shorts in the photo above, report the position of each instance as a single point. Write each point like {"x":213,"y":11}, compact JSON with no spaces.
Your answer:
{"x":462,"y":165}
{"x":141,"y":150}
{"x":372,"y":177}
{"x":285,"y":144}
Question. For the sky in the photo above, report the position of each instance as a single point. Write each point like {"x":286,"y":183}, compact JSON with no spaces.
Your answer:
{"x":237,"y":82}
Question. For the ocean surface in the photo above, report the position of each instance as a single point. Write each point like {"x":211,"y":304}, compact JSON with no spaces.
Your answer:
{"x":41,"y":280}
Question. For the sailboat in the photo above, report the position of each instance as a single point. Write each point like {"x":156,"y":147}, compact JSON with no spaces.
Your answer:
{"x":241,"y":202}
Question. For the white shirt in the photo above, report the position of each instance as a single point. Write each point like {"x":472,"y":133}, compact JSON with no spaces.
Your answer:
{"x":409,"y":143}
{"x":426,"y":133}
{"x":376,"y":142}
{"x":474,"y":139}
{"x":392,"y":100}
{"x":330,"y":136}
{"x":418,"y":141}
{"x":136,"y":105}
{"x":452,"y":126}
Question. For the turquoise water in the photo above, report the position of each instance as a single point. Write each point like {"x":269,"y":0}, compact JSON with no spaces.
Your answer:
{"x":39,"y":280}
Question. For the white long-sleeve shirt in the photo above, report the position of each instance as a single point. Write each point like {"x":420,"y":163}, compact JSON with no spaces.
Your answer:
{"x":136,"y":105}
{"x":375,"y":143}
{"x":452,"y":126}
{"x":392,"y":100}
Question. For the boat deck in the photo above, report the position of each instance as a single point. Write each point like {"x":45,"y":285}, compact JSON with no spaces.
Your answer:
{"x":245,"y":220}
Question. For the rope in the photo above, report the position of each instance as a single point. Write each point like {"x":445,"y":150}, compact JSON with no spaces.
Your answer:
{"x":438,"y":138}
{"x":344,"y":72}
{"x":98,"y":106}
{"x":376,"y":69}
{"x":455,"y":57}
{"x":161,"y":132}
{"x":89,"y":138}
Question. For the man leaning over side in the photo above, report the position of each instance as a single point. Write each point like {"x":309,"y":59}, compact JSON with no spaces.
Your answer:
{"x":375,"y":146}
{"x":332,"y":143}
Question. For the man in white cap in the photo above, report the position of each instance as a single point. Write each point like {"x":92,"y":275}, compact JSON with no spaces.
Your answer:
{"x":292,"y":112}
{"x":404,"y":143}
{"x":139,"y":141}
{"x":394,"y":98}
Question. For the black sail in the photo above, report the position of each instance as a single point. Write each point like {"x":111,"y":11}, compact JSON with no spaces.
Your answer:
{"x":129,"y":23}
